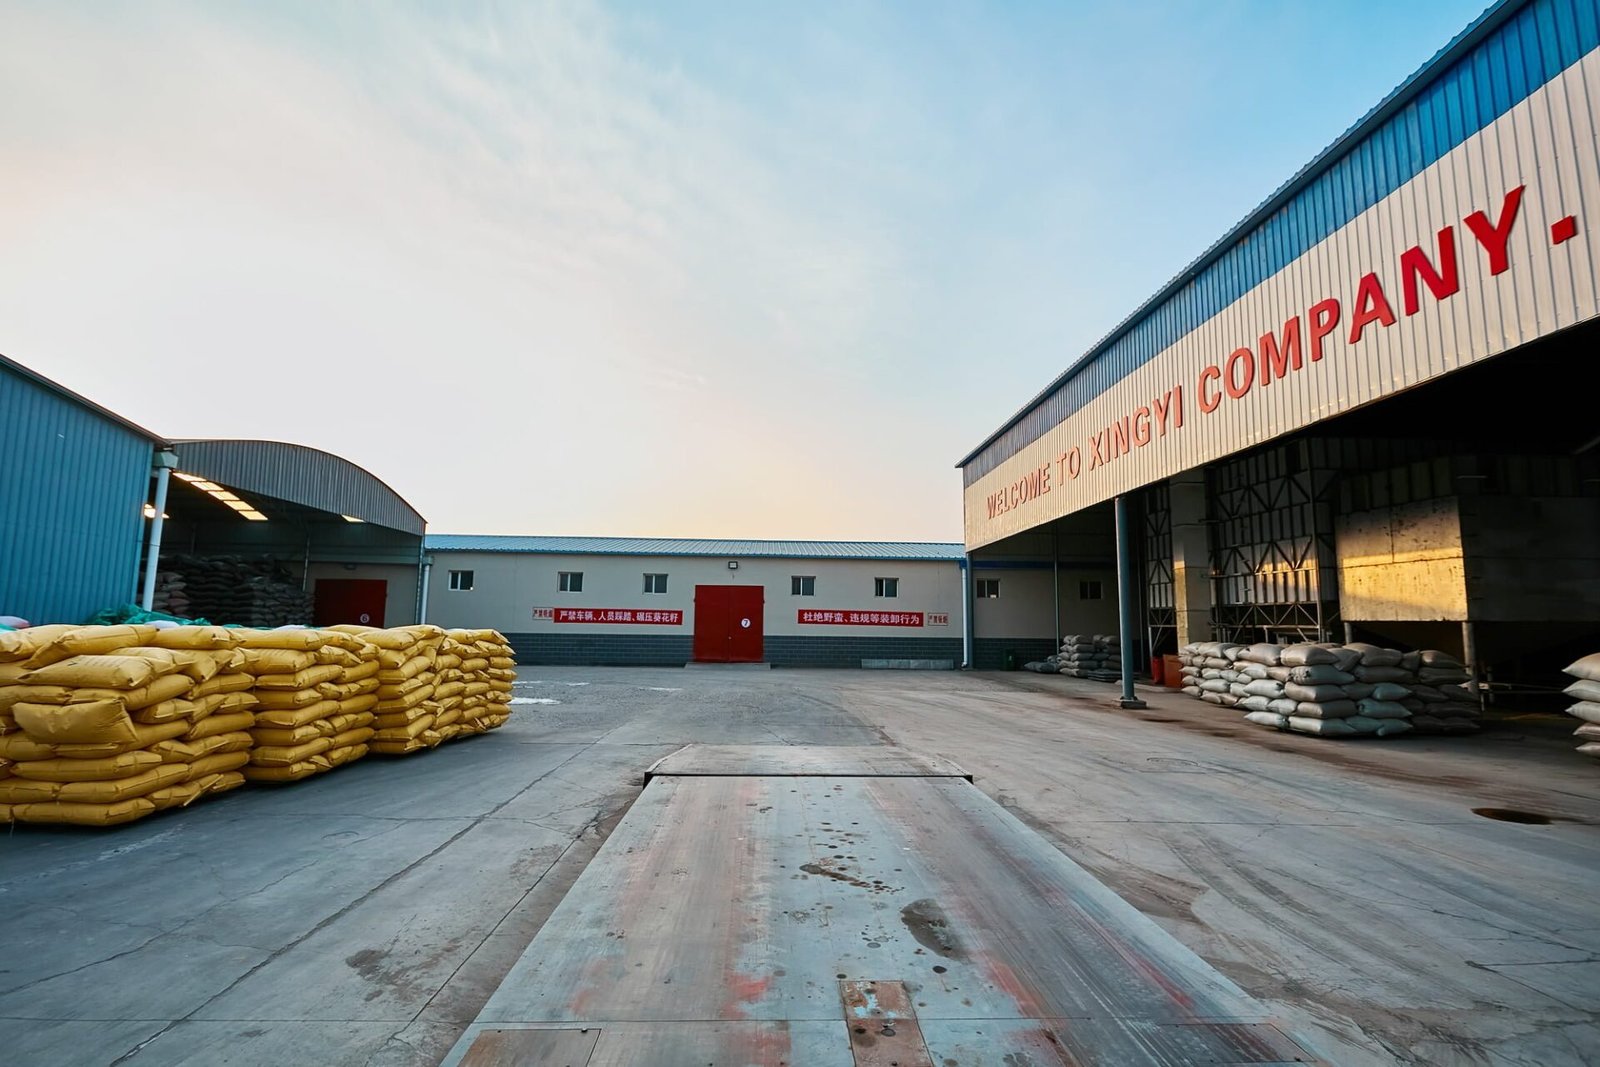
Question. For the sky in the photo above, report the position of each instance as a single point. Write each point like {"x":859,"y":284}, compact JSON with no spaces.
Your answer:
{"x":663,"y":269}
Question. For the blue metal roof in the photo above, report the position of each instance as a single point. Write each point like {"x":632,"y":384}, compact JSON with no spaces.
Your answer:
{"x":693,"y":546}
{"x":1511,"y":50}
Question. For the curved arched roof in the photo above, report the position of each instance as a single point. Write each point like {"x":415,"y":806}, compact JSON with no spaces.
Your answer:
{"x":301,"y":475}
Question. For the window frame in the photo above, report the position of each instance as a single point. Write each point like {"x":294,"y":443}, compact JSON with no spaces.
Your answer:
{"x":797,"y":584}
{"x":1091,"y":589}
{"x":564,"y":583}
{"x":650,"y":583}
{"x":982,"y":584}
{"x":886,"y":588}
{"x":455,"y":585}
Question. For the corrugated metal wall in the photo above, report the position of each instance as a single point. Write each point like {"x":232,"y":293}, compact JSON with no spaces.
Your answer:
{"x":1530,"y":48}
{"x":1545,"y":146}
{"x":72,"y":490}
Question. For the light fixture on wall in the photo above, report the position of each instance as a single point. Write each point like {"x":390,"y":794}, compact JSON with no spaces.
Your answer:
{"x":733,"y":564}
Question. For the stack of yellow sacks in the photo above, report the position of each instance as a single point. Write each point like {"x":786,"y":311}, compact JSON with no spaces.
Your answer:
{"x":407,"y":714}
{"x":315,"y":691}
{"x":106,"y":724}
{"x":487,"y":672}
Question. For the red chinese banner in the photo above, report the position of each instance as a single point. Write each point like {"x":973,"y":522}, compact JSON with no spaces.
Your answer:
{"x":861,"y":618}
{"x":626,"y":616}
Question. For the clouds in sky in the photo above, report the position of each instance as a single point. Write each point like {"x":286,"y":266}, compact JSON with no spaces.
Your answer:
{"x":697,"y":269}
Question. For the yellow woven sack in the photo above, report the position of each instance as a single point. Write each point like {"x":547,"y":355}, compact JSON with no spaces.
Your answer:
{"x":402,"y":747}
{"x":357,"y":705}
{"x":331,"y":653}
{"x":299,"y":640}
{"x":351,"y":738}
{"x":84,"y":814}
{"x":27,"y":791}
{"x":19,"y":746}
{"x":386,"y":720}
{"x":415,"y":698}
{"x":401,"y":731}
{"x":100,"y":672}
{"x":260,"y":661}
{"x":221,"y":783}
{"x":306,"y":679}
{"x":449,"y":690}
{"x":103,"y":769}
{"x":339,"y":756}
{"x":223,"y":722}
{"x":166,"y":711}
{"x":218,"y":763}
{"x":190,"y":751}
{"x":144,"y":737}
{"x":446,"y":718}
{"x":19,"y":645}
{"x":280,"y":756}
{"x":232,"y":682}
{"x":113,"y":790}
{"x":177,"y":796}
{"x":97,"y":722}
{"x":289,"y":736}
{"x":11,"y":673}
{"x":289,"y":699}
{"x":196,"y":637}
{"x":285,"y":718}
{"x":367,"y":668}
{"x":293,"y":773}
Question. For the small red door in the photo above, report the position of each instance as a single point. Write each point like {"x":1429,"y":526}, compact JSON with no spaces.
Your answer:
{"x":728,"y":623}
{"x":357,"y":600}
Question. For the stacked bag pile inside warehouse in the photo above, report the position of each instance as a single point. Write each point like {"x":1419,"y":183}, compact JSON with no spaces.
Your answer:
{"x":231,"y":589}
{"x":105,"y":724}
{"x":1586,"y":692}
{"x":1331,"y":690}
{"x":1096,"y":656}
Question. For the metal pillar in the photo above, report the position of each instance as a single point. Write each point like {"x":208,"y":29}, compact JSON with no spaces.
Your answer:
{"x":968,"y":624}
{"x":1055,"y":578}
{"x":164,"y":463}
{"x":1469,"y":656}
{"x":1125,"y":604}
{"x":425,"y":571}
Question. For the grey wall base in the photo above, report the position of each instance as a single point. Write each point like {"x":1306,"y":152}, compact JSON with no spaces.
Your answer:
{"x":674,"y":650}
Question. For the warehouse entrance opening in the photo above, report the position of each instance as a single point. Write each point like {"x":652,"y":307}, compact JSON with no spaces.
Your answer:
{"x":728,"y":623}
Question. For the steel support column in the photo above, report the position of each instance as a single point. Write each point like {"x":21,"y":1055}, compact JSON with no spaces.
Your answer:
{"x":1125,"y":603}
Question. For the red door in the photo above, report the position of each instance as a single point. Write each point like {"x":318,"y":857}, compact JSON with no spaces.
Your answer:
{"x":357,"y":600}
{"x":728,"y":623}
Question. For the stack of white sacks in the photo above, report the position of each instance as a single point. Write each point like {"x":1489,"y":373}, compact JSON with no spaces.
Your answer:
{"x":1586,"y":691}
{"x":1329,"y":690}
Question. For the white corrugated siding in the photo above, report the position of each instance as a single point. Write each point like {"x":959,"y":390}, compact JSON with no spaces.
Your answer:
{"x":1549,"y":143}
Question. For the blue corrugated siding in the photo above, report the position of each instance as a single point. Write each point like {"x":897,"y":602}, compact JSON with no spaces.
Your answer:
{"x":1534,"y":45}
{"x":72,"y":489}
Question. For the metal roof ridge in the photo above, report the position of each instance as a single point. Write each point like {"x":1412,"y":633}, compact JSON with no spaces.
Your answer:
{"x":78,"y":398}
{"x":1490,"y":20}
{"x":743,"y":540}
{"x":176,"y":441}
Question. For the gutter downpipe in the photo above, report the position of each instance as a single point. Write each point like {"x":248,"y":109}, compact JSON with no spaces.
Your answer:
{"x":163,"y":463}
{"x":1125,"y":606}
{"x":967,"y":622}
{"x":425,"y":570}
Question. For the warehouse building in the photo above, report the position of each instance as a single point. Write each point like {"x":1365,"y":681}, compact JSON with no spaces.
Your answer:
{"x":254,"y":532}
{"x":667,"y":602}
{"x":1365,"y":412}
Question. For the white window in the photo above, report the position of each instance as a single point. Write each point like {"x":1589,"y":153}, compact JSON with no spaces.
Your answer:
{"x":655,"y":583}
{"x":885,"y":587}
{"x":461,"y":581}
{"x":988,"y":588}
{"x":1090,"y":589}
{"x":570,"y":581}
{"x":803,"y":585}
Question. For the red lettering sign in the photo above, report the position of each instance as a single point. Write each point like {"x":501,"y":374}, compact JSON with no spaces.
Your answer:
{"x":619,"y":616}
{"x":818,"y":617}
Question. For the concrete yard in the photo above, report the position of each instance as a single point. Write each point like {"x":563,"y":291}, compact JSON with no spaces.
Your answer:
{"x":366,"y":917}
